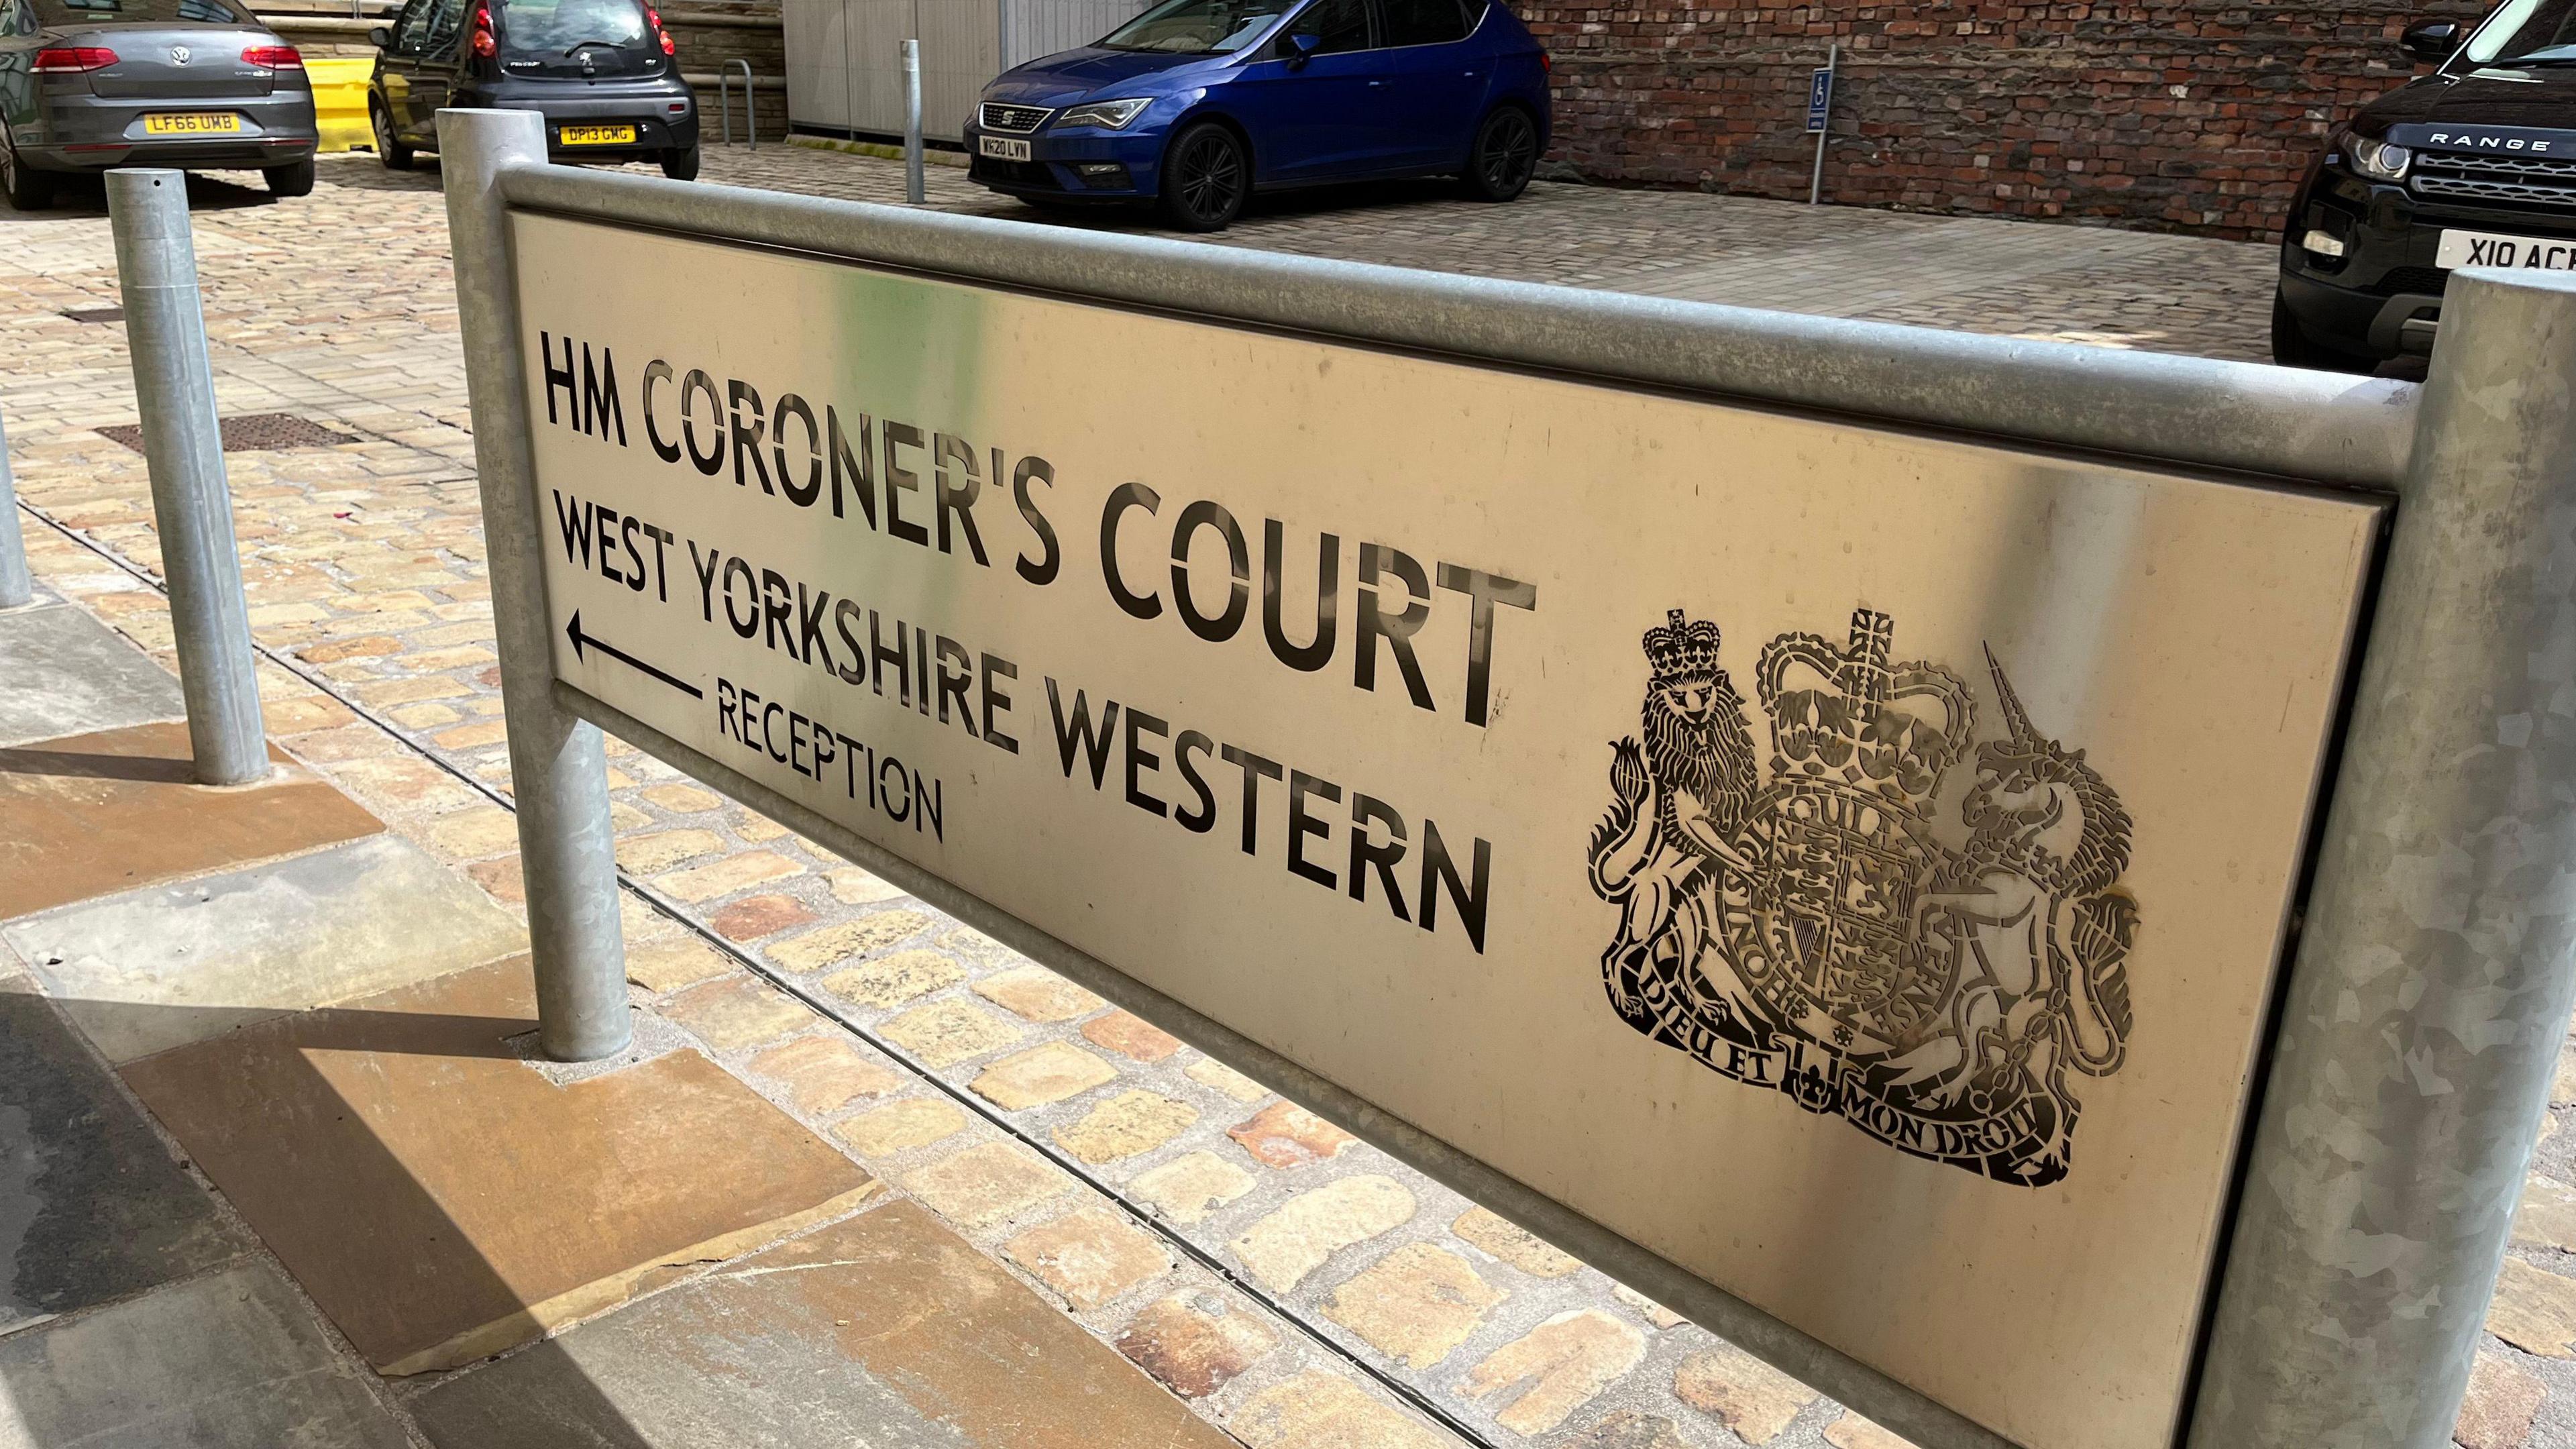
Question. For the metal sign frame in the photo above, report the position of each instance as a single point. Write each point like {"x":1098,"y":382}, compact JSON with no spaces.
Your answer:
{"x":2430,"y":979}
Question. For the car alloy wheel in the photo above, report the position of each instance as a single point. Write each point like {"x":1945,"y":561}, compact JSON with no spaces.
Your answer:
{"x":1506,"y":155}
{"x":395,"y":155}
{"x":1206,"y":179}
{"x":26,"y":189}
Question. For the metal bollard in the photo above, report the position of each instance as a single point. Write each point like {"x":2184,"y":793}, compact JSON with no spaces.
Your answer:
{"x":192,"y":508}
{"x":558,"y":770}
{"x":2429,"y":995}
{"x":913,"y":189}
{"x":15,"y":587}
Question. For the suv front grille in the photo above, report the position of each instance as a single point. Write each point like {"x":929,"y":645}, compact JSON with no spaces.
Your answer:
{"x":2496,"y":180}
{"x":2412,"y":279}
{"x":1017,"y":120}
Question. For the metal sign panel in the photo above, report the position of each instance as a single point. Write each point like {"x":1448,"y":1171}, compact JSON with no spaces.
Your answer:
{"x":1850,"y":864}
{"x":1820,"y":97}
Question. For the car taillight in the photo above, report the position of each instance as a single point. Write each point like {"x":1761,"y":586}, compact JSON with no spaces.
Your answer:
{"x":484,"y":46}
{"x":1546,"y":63}
{"x":274,"y":57}
{"x":73,"y":59}
{"x":659,"y":34}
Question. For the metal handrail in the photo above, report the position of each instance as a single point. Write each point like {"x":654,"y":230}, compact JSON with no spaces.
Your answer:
{"x":2315,"y":427}
{"x":724,"y":102}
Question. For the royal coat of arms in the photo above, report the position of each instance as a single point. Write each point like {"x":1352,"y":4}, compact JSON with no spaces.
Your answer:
{"x":1822,"y":925}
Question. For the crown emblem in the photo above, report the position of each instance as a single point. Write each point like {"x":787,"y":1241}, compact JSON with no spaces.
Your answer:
{"x":1682,"y":648}
{"x":1846,"y":713}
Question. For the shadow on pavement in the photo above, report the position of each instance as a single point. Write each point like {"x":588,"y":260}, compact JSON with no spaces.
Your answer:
{"x":122,"y":1335}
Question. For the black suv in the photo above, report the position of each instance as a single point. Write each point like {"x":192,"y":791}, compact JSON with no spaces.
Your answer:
{"x":602,"y":72}
{"x":2472,"y":165}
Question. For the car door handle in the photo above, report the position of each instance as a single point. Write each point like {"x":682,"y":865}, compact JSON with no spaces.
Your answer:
{"x":1373,"y":85}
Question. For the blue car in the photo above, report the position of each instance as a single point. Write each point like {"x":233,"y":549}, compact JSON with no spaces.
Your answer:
{"x":1196,"y":104}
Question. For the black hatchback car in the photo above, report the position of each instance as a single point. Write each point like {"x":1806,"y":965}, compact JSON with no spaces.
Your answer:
{"x":602,"y":72}
{"x":2472,"y":165}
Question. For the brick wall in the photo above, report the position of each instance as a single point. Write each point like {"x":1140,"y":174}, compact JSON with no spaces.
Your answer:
{"x":2196,"y":115}
{"x":711,"y":35}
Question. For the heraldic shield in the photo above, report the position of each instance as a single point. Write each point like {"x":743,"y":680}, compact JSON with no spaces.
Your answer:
{"x":1820,"y":925}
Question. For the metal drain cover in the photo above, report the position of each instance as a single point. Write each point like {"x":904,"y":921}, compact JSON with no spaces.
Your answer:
{"x":251,"y":433}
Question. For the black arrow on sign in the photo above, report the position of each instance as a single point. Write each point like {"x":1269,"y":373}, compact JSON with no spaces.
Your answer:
{"x":580,"y":639}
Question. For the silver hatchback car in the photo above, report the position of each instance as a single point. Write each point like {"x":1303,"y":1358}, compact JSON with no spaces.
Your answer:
{"x":200,"y":84}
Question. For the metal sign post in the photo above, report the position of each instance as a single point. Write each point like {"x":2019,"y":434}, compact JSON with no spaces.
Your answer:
{"x":2430,"y":997}
{"x":558,"y":763}
{"x":1824,"y":739}
{"x":1820,"y":107}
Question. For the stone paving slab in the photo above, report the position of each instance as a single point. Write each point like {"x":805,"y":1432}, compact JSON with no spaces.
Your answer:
{"x":68,"y":672}
{"x":227,"y":1361}
{"x":149,"y":970}
{"x":98,"y":813}
{"x":92,"y":1208}
{"x":886,"y":1329}
{"x":443,"y":1199}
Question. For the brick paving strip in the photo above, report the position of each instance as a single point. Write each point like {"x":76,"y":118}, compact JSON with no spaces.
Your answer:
{"x":1040,"y":1123}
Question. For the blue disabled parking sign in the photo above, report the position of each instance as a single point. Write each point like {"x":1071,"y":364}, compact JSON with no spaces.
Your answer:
{"x":1820,"y":96}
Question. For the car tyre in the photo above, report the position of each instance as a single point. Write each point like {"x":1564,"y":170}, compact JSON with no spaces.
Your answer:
{"x":1207,"y":176}
{"x":295,"y":180}
{"x":1504,"y":157}
{"x":2293,"y":347}
{"x":681,"y":164}
{"x":395,"y":155}
{"x":28,"y":189}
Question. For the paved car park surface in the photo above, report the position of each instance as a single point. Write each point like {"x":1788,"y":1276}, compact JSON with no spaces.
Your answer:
{"x":1296,"y":1288}
{"x":2077,"y":284}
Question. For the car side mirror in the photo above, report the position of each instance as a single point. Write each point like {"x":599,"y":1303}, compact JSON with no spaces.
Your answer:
{"x":381,"y":38}
{"x":1302,"y":48}
{"x":2430,"y":41}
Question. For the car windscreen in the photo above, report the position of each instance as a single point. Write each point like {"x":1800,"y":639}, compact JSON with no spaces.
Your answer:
{"x":1198,"y":27}
{"x":80,"y":12}
{"x":2526,"y":32}
{"x":560,"y":27}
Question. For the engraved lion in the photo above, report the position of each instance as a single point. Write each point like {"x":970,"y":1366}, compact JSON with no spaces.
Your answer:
{"x":1680,"y":810}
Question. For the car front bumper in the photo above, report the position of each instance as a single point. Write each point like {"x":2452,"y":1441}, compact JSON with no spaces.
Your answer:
{"x":2383,"y":297}
{"x":1085,"y":165}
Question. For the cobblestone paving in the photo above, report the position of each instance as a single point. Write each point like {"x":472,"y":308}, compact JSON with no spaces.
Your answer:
{"x":1003,"y":1082}
{"x":2075,"y":284}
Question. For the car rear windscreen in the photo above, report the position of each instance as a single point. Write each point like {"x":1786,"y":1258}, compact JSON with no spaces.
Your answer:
{"x":555,"y":28}
{"x":79,"y":12}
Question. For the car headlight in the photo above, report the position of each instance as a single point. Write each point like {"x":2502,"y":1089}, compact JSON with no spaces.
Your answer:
{"x":1107,"y":115}
{"x":2376,"y":159}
